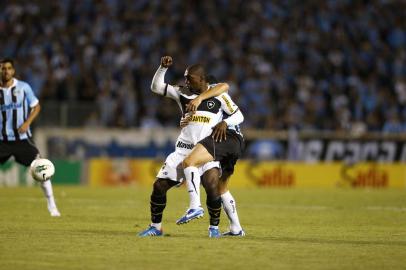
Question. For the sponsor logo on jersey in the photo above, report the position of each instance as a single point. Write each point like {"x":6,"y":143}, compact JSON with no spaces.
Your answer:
{"x":210,"y":104}
{"x":181,"y":144}
{"x":200,"y":119}
{"x":10,"y":106}
{"x":228,"y":104}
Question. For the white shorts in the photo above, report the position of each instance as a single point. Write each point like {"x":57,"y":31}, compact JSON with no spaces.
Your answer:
{"x":172,"y":168}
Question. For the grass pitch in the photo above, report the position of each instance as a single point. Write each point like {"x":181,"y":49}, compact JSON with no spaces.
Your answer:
{"x":286,"y":229}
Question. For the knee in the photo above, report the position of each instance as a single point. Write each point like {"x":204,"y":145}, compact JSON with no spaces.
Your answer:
{"x":159,"y":189}
{"x":211,"y":189}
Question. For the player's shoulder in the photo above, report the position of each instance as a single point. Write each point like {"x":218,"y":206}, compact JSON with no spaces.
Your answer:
{"x":184,"y":90}
{"x":21,"y":84}
{"x":223,"y":97}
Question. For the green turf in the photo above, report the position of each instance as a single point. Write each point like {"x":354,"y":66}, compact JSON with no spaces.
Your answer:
{"x":286,"y":229}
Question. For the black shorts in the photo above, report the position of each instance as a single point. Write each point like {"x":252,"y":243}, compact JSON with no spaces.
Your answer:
{"x":227,"y":152}
{"x":23,"y":151}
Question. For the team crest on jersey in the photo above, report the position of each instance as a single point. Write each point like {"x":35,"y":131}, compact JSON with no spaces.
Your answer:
{"x":16,"y":92}
{"x":210,"y":104}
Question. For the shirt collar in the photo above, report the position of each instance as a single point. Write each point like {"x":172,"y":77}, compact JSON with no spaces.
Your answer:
{"x":12,"y":85}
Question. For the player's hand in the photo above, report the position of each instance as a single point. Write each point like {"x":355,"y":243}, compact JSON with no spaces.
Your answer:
{"x":166,"y":61}
{"x":23,"y":128}
{"x":184,"y":121}
{"x":192,"y":105}
{"x":219,"y":132}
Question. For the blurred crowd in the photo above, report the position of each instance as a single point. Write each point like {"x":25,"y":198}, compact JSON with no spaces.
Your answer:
{"x":308,"y":65}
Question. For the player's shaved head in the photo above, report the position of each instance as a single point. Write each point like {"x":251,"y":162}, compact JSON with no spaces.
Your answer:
{"x":195,"y":78}
{"x":196,"y":69}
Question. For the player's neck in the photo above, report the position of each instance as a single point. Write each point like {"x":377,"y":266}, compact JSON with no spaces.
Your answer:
{"x":204,"y":88}
{"x":7,"y":84}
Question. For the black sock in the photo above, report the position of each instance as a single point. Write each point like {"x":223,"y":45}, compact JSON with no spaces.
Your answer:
{"x":158,"y":204}
{"x":214,"y":208}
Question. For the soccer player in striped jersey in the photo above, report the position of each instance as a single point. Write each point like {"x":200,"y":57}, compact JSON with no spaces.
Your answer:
{"x":227,"y":166}
{"x":227,"y":154}
{"x":201,"y":125}
{"x":227,"y":149}
{"x":18,"y":109}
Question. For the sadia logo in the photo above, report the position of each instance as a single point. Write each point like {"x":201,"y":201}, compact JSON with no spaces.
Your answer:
{"x":370,"y":176}
{"x":210,"y":104}
{"x":276,"y":177}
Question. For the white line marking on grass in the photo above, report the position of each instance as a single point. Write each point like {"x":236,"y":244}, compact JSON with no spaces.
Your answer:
{"x":386,"y":208}
{"x":297,"y":207}
{"x":82,"y":200}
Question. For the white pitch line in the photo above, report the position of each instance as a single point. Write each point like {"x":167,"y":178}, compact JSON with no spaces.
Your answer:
{"x":386,"y":208}
{"x":299,"y":207}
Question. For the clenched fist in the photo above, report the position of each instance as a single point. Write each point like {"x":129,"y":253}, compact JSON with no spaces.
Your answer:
{"x":166,"y":61}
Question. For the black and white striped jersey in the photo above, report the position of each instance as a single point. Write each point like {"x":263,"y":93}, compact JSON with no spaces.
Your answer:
{"x":16,"y":102}
{"x":209,"y":113}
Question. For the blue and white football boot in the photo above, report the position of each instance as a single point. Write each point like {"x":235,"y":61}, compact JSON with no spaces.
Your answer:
{"x":192,"y":213}
{"x":214,"y":232}
{"x":151,"y":231}
{"x":230,"y":233}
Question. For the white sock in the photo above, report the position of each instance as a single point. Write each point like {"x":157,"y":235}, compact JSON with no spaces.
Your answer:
{"x":157,"y":225}
{"x":193,"y":186}
{"x":48,"y":193}
{"x":230,"y":208}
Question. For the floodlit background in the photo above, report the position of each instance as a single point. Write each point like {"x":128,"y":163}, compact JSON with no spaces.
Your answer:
{"x":316,"y":80}
{"x":322,"y":86}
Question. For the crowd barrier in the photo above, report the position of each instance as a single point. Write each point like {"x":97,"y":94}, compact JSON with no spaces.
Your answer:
{"x":248,"y":173}
{"x":109,"y":157}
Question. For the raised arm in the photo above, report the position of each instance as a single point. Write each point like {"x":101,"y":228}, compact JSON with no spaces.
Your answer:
{"x":158,"y":85}
{"x":215,"y":91}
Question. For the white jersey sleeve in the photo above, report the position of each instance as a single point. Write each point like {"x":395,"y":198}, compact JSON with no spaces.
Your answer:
{"x":159,"y":86}
{"x":235,"y":119}
{"x":31,"y":98}
{"x":227,"y":104}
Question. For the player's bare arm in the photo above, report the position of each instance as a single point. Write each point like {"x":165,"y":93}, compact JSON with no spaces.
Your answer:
{"x":215,"y":91}
{"x":33,"y":114}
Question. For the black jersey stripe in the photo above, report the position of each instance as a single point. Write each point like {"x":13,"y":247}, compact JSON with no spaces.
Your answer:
{"x":166,"y":90}
{"x":25,"y":111}
{"x":4,"y":117}
{"x":14,"y":117}
{"x":193,"y":182}
{"x":208,"y":105}
{"x":184,"y":101}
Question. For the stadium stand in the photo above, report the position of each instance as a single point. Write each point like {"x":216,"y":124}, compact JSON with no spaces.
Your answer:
{"x":308,"y":65}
